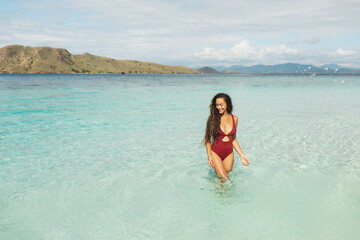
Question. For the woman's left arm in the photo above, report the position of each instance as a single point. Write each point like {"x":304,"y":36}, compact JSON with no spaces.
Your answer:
{"x":236,"y":145}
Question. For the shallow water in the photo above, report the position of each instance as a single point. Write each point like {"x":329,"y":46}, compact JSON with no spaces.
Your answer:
{"x":120,"y":157}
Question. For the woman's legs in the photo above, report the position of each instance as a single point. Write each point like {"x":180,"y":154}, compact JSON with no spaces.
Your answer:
{"x":228,"y":162}
{"x":219,"y":167}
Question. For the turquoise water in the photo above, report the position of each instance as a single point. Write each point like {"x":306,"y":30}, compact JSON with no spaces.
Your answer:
{"x":120,"y":157}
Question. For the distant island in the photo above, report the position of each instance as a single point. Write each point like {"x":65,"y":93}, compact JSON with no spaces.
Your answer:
{"x":287,"y":68}
{"x":208,"y":70}
{"x":21,"y":59}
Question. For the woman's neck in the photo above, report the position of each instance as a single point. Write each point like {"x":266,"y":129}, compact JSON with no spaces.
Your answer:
{"x":226,"y":114}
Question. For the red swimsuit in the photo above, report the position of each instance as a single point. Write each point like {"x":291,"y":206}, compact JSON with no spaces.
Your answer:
{"x":223,"y":149}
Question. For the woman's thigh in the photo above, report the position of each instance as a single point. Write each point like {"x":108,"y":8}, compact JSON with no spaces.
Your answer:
{"x":218,"y":165}
{"x":228,"y":162}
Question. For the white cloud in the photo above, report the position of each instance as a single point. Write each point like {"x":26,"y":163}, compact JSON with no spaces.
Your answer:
{"x":342,"y":52}
{"x":246,"y":53}
{"x":291,"y":42}
{"x":312,"y":40}
{"x":2,"y":37}
{"x":40,"y":38}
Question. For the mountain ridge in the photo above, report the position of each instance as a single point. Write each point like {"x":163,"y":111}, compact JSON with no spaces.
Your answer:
{"x":288,"y":68}
{"x":26,"y":59}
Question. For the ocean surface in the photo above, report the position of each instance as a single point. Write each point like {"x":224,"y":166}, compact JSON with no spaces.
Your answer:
{"x":120,"y":157}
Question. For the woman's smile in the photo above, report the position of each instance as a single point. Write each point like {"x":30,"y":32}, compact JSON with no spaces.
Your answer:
{"x":221,"y":105}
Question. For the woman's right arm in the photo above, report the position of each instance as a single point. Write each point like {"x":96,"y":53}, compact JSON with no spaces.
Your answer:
{"x":208,"y":144}
{"x":208,"y":150}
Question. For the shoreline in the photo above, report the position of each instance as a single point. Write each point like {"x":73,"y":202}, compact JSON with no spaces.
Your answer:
{"x":207,"y":74}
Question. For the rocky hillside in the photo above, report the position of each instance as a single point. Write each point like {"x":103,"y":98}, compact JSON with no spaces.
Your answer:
{"x":21,"y":59}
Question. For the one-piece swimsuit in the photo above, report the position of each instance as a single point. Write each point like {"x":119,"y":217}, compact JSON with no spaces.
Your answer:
{"x":221,"y":148}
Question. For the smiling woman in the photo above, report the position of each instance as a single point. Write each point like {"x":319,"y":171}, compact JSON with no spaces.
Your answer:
{"x":220,"y":136}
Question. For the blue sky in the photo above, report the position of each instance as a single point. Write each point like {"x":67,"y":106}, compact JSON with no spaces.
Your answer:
{"x":191,"y":33}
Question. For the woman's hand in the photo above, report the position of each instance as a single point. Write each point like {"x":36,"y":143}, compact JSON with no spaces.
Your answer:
{"x":211,"y":164}
{"x":244,"y":160}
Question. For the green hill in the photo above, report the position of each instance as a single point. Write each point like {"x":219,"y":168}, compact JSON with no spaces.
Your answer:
{"x":21,"y":59}
{"x":208,"y":70}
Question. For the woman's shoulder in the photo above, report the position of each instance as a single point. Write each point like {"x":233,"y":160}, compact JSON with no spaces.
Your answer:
{"x":235,"y":118}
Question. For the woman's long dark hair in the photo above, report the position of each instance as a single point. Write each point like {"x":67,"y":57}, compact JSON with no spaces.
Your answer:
{"x":213,"y":122}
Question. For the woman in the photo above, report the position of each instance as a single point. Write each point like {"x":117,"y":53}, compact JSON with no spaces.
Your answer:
{"x":220,"y":136}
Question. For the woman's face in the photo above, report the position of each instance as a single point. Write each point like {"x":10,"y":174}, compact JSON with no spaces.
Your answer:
{"x":221,"y":105}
